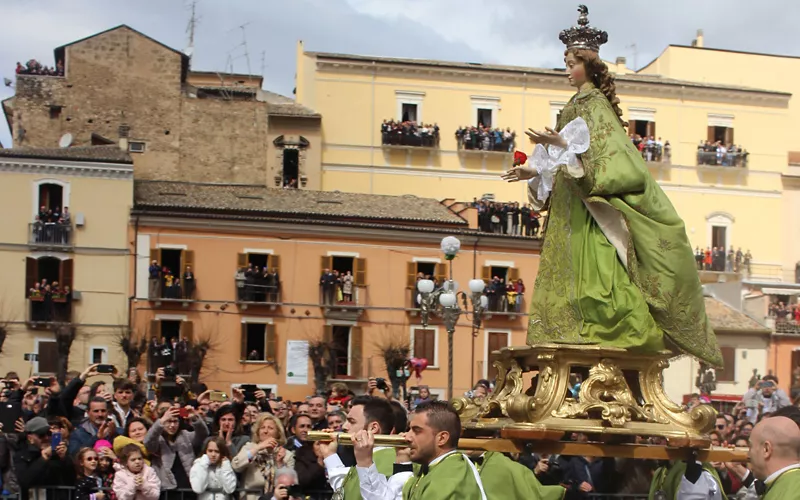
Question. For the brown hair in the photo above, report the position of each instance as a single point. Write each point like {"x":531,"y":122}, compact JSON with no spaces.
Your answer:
{"x":79,"y":459}
{"x":222,"y":446}
{"x":597,"y":73}
{"x":127,"y":452}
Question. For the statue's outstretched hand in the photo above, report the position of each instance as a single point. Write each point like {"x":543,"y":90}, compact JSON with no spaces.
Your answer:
{"x":519,"y":173}
{"x":548,"y":137}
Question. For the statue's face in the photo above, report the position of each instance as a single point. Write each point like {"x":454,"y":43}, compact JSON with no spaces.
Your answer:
{"x":576,"y":71}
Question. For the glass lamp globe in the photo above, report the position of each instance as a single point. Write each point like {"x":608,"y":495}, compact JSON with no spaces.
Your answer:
{"x":447,"y":299}
{"x":484,"y":301}
{"x":425,"y":286}
{"x":476,"y":286}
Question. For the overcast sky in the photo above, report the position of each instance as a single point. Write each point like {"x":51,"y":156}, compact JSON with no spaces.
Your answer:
{"x":518,"y":32}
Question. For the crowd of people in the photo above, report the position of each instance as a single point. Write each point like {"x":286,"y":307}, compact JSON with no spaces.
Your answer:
{"x":409,"y":133}
{"x":50,"y":301}
{"x":254,"y":284}
{"x":34,"y":67}
{"x":486,"y":138}
{"x":507,"y":218}
{"x":715,"y":153}
{"x":52,"y":226}
{"x":336,"y":287}
{"x":716,"y":259}
{"x":653,"y":149}
{"x":502,"y":296}
{"x":162,"y":283}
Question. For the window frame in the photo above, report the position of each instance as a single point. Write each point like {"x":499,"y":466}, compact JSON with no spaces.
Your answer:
{"x":434,"y":363}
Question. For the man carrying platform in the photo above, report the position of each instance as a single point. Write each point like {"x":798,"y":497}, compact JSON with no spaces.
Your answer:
{"x":504,"y":478}
{"x":775,"y":457}
{"x":444,"y":473}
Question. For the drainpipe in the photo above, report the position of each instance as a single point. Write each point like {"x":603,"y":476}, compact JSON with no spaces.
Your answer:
{"x":135,"y":271}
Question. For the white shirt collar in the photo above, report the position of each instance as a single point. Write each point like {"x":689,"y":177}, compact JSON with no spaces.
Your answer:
{"x":772,"y":477}
{"x":441,"y":457}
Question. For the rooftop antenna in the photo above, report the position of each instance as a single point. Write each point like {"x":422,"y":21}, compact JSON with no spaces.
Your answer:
{"x":190,"y":29}
{"x":263,"y":65}
{"x":635,"y":55}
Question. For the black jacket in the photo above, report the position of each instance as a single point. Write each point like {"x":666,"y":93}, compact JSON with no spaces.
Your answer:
{"x":33,"y":471}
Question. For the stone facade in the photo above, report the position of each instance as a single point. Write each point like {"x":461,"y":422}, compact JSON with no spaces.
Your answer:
{"x":126,"y":87}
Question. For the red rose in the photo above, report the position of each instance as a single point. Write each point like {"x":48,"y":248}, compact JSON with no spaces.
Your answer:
{"x":519,"y":158}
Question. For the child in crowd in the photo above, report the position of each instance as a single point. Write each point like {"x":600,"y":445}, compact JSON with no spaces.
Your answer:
{"x":87,"y":482}
{"x":213,"y":471}
{"x":134,"y":479}
{"x":105,"y":466}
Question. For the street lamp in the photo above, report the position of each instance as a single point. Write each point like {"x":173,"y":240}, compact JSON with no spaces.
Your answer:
{"x":446,"y":298}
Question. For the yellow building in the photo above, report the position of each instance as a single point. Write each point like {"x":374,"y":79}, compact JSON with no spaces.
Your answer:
{"x":86,"y":252}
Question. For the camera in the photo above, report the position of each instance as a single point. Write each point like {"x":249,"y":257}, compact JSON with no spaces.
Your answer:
{"x":381,"y":384}
{"x":293,"y":490}
{"x":169,"y":372}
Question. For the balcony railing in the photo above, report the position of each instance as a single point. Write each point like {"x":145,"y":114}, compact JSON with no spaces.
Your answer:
{"x":718,"y":159}
{"x":54,"y":309}
{"x":50,"y":234}
{"x":159,"y":291}
{"x":787,"y":326}
{"x":247,"y":293}
{"x":334,"y":297}
{"x":409,"y":135}
{"x":507,"y":303}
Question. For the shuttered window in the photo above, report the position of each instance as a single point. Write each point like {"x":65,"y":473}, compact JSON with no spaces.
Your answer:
{"x":425,"y":345}
{"x":728,"y":372}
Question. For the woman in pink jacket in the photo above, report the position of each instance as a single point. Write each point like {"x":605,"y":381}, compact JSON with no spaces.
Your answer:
{"x":134,"y":479}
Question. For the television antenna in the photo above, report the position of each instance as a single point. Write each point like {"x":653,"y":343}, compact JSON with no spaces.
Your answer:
{"x":191,"y":27}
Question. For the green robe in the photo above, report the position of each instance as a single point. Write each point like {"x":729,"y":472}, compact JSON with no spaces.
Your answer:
{"x":384,"y":461}
{"x":669,"y":480}
{"x":505,"y":479}
{"x":450,"y":479}
{"x":786,"y":487}
{"x":584,"y":294}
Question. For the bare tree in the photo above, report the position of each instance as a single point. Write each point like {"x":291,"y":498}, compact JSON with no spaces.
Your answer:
{"x":321,"y":359}
{"x":199,"y":349}
{"x":132,"y":344}
{"x":65,"y":335}
{"x":395,"y":350}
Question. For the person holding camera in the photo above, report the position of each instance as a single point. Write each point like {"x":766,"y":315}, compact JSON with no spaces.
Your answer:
{"x":39,"y":464}
{"x":764,"y":398}
{"x":97,"y":425}
{"x":286,"y":487}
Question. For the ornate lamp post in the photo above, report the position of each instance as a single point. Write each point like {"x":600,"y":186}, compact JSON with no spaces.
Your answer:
{"x":447,"y":297}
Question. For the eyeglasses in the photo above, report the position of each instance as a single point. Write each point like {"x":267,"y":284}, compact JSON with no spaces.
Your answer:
{"x":91,"y":459}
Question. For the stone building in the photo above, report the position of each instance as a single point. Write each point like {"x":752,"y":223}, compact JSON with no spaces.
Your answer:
{"x":121,"y":86}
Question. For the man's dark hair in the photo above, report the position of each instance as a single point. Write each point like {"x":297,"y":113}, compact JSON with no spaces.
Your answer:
{"x":790,"y":412}
{"x":98,"y":399}
{"x":377,"y":410}
{"x":400,"y":417}
{"x":12,"y":376}
{"x":442,"y":417}
{"x":123,"y":384}
{"x":771,"y":377}
{"x":295,"y":418}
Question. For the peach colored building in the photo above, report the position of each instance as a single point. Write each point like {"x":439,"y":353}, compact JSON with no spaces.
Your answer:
{"x":258,"y":334}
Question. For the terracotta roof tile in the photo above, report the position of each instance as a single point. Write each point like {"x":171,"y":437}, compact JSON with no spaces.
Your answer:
{"x":106,"y":154}
{"x":261,"y":200}
{"x":280,"y":105}
{"x":725,"y":318}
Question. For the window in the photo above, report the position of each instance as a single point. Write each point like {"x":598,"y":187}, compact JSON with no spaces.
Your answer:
{"x":497,"y":276}
{"x":642,"y":122}
{"x":484,"y":117}
{"x":136,"y":147}
{"x":494,"y":341}
{"x":257,"y":287}
{"x":728,"y":371}
{"x":48,"y":356}
{"x":291,"y":167}
{"x":720,"y":227}
{"x":344,"y":264}
{"x":166,"y":332}
{"x":427,"y":270}
{"x":425,"y":344}
{"x":98,"y":355}
{"x":173,"y":263}
{"x":409,"y":112}
{"x":345,"y":346}
{"x":258,"y":342}
{"x":55,"y":112}
{"x":57,"y":274}
{"x":555,"y":112}
{"x":51,"y":197}
{"x":718,"y":236}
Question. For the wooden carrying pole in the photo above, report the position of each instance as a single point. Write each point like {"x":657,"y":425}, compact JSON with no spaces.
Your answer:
{"x":638,"y":451}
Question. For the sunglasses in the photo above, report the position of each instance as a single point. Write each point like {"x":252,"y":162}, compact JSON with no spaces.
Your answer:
{"x":90,"y":459}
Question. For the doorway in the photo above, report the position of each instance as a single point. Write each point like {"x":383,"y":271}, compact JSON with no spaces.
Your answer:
{"x":340,"y":351}
{"x":49,"y":268}
{"x":51,"y":196}
{"x":409,"y":113}
{"x":427,"y":269}
{"x":495,"y":341}
{"x":291,"y":167}
{"x":485,"y":117}
{"x":719,"y":237}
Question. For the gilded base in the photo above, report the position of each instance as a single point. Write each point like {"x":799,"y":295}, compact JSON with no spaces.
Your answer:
{"x":606,"y":403}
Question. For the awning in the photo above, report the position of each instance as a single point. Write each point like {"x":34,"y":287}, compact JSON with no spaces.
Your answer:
{"x":780,"y":291}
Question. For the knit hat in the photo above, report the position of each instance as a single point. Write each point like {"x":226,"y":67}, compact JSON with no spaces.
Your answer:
{"x":38,"y":426}
{"x":102,"y":443}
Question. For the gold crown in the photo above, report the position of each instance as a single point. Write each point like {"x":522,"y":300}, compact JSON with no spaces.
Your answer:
{"x":583,"y":36}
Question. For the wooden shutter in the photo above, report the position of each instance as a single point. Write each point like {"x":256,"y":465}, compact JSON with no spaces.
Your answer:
{"x":327,"y":334}
{"x":356,"y":346}
{"x":270,"y":343}
{"x":710,"y":134}
{"x":486,"y":273}
{"x":155,"y":255}
{"x":360,"y":267}
{"x":728,"y":371}
{"x":31,"y":274}
{"x":411,"y":274}
{"x":631,"y":127}
{"x":513,"y":274}
{"x":440,"y":273}
{"x":496,"y":341}
{"x":326,"y":262}
{"x":155,"y":329}
{"x":65,"y":273}
{"x":48,"y":357}
{"x":274,"y":263}
{"x":241,"y":260}
{"x":188,"y":260}
{"x":187,"y":330}
{"x":243,"y":339}
{"x":425,"y":345}
{"x":728,"y":136}
{"x":651,"y":129}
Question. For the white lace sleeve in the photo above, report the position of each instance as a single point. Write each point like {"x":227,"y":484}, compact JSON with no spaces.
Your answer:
{"x":547,"y":161}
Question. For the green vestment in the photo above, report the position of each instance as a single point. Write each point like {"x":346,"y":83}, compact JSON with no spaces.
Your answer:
{"x":584,"y":294}
{"x":384,"y":461}
{"x":669,"y":480}
{"x":449,"y":479}
{"x":786,"y":487}
{"x":504,"y":479}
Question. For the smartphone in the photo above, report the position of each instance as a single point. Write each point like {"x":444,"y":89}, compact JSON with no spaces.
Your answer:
{"x":42,"y":381}
{"x":55,"y":440}
{"x":106,"y":369}
{"x":183,"y":413}
{"x":218,"y":396}
{"x":279,"y":398}
{"x":249,"y":392}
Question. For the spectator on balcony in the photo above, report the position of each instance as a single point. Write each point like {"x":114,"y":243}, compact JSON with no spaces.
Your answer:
{"x":241,"y":280}
{"x":485,"y":138}
{"x":188,"y":283}
{"x":167,"y":284}
{"x":177,"y":288}
{"x":250,"y":282}
{"x":409,"y":133}
{"x":729,"y":260}
{"x":519,"y":288}
{"x":273,"y":286}
{"x":698,"y":258}
{"x":328,"y":284}
{"x":347,"y":287}
{"x":748,"y":258}
{"x":154,"y":279}
{"x":737,"y":263}
{"x":513,"y":214}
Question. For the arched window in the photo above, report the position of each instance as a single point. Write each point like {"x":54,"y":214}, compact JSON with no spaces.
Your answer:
{"x":50,"y":195}
{"x":720,"y":229}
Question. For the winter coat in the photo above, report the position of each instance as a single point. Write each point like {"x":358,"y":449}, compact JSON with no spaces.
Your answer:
{"x":86,"y":487}
{"x":217,"y":478}
{"x":125,"y":484}
{"x":33,"y":471}
{"x":252,"y":476}
{"x":163,"y":453}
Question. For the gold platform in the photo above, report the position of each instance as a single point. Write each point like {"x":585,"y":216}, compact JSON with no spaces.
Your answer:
{"x":621,"y":394}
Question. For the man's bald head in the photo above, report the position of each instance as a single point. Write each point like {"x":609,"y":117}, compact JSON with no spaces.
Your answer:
{"x":774,"y":444}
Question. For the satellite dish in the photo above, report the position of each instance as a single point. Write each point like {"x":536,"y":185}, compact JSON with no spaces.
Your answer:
{"x":65,"y":141}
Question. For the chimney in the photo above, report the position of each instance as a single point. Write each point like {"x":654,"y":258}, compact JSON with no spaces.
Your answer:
{"x":698,"y":42}
{"x":622,"y":68}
